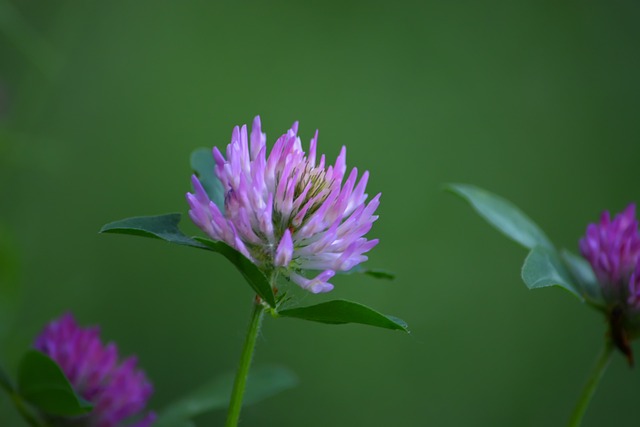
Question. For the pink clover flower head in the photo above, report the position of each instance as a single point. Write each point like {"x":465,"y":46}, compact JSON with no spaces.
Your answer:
{"x":118,"y":391}
{"x":612,"y":247}
{"x":287,"y":211}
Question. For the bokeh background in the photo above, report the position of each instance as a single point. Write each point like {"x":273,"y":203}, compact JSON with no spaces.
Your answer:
{"x":101,"y":104}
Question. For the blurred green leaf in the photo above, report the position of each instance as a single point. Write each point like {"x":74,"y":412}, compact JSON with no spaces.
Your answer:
{"x":203,"y":164}
{"x":264,"y":382}
{"x":165,"y":227}
{"x":253,"y":275}
{"x":583,"y":274}
{"x":341,"y":311}
{"x":375,"y":273}
{"x":543,"y":267}
{"x":42,"y":383}
{"x":503,"y":215}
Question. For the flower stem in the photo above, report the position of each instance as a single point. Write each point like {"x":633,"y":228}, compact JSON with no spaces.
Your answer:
{"x":240,"y":382}
{"x":590,"y":387}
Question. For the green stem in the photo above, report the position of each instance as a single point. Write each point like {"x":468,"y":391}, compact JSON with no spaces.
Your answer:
{"x":590,"y":387}
{"x":245,"y":362}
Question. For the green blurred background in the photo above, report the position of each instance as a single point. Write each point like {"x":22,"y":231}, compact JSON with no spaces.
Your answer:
{"x":101,"y":104}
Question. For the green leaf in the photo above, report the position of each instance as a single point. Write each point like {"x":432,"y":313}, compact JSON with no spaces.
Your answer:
{"x":583,"y":274}
{"x":42,"y":383}
{"x":341,"y":311}
{"x":543,"y":268}
{"x":163,"y":227}
{"x":252,"y":274}
{"x":375,"y":273}
{"x":203,"y":165}
{"x":503,"y":215}
{"x":264,"y":382}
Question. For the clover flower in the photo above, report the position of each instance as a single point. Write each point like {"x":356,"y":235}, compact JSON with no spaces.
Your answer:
{"x":287,"y":212}
{"x":119,"y":392}
{"x":612,"y":247}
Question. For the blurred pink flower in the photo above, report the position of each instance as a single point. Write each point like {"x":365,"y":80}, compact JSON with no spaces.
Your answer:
{"x":119,"y":392}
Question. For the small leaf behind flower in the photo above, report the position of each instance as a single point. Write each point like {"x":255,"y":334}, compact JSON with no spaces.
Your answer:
{"x":264,"y":382}
{"x":42,"y":383}
{"x":342,"y":311}
{"x":165,"y":227}
{"x":583,"y":274}
{"x":203,"y":164}
{"x":503,"y":215}
{"x":543,"y":267}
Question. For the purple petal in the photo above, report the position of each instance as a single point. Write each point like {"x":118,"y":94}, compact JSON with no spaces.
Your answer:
{"x":284,"y":253}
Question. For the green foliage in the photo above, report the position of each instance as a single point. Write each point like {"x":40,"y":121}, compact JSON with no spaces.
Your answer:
{"x":42,"y":383}
{"x":544,"y":266}
{"x":264,"y":382}
{"x":341,"y":311}
{"x":203,"y":165}
{"x":503,"y":215}
{"x":252,"y":274}
{"x":583,"y":274}
{"x":165,"y":227}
